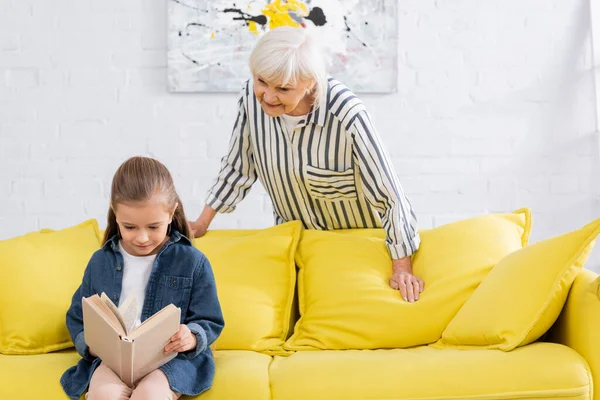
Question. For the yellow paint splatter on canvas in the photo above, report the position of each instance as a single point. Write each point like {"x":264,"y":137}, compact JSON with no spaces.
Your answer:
{"x":278,"y":13}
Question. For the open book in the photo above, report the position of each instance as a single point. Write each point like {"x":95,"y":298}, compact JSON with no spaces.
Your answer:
{"x":130,"y":352}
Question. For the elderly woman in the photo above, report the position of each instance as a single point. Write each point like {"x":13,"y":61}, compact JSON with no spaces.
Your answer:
{"x":313,"y":146}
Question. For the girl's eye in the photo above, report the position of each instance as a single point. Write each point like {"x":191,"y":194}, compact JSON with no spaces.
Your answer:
{"x":129,"y":228}
{"x":284,"y":89}
{"x":153,"y":227}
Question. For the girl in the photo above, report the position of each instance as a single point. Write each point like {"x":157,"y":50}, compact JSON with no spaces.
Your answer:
{"x":147,"y":251}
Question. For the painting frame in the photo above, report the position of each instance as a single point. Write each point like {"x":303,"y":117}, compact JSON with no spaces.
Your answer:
{"x":209,"y":41}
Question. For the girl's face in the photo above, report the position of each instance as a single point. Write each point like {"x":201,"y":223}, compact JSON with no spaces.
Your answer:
{"x":143,"y":225}
{"x":276,"y":99}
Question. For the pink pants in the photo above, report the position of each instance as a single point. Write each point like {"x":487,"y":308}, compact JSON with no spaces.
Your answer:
{"x":106,"y":385}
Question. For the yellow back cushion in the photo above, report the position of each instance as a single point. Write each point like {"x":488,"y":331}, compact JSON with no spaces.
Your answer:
{"x":523,"y":295}
{"x":40,"y":272}
{"x":256,"y":278}
{"x":345,"y":299}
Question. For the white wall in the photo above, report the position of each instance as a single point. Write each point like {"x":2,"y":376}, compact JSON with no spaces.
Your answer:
{"x":495,"y":112}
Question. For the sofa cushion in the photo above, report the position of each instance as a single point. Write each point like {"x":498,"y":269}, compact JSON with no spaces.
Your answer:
{"x":345,"y":299}
{"x":256,"y":277}
{"x":37,"y":376}
{"x":523,"y":295}
{"x":540,"y":371}
{"x":40,"y":272}
{"x":239,"y":374}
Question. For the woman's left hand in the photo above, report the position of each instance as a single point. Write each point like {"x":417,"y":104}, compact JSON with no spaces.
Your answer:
{"x":183,"y":340}
{"x":402,"y":279}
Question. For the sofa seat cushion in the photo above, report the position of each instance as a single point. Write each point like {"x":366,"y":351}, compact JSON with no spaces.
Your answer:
{"x":35,"y":376}
{"x":539,"y":370}
{"x":238,"y":374}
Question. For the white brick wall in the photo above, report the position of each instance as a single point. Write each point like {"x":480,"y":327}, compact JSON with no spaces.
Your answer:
{"x":495,"y":112}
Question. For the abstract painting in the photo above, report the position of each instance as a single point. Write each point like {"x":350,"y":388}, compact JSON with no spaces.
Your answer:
{"x":209,"y":41}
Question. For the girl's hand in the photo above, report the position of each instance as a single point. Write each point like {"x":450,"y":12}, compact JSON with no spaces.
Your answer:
{"x":182,"y":341}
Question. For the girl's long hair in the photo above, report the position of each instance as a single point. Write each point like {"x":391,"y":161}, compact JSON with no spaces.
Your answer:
{"x":137,"y":180}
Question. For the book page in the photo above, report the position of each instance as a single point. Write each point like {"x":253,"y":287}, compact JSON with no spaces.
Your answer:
{"x":114,"y":310}
{"x":102,"y":332}
{"x":129,"y":311}
{"x":150,"y":339}
{"x":102,"y":309}
{"x":150,"y":322}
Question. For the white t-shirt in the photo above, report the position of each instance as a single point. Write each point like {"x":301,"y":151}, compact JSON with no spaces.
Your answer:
{"x":136,"y":274}
{"x":291,"y":121}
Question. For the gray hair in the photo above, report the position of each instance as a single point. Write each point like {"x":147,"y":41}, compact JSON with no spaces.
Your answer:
{"x":290,"y":54}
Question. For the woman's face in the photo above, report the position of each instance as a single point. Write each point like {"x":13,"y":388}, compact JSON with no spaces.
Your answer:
{"x":276,"y":99}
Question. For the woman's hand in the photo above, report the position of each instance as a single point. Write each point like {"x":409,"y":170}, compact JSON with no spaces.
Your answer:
{"x":183,"y":340}
{"x":403,"y":279}
{"x":197,"y":228}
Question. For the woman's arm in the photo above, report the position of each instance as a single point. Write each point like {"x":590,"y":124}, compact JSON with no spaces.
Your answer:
{"x":199,"y":227}
{"x":237,"y":173}
{"x":384,"y":192}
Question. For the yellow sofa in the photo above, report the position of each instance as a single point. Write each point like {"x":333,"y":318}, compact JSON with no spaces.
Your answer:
{"x":309,"y":315}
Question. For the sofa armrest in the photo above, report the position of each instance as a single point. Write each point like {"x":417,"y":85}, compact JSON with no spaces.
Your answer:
{"x":578,"y":326}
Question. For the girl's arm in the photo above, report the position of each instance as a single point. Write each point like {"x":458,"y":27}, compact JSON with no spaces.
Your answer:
{"x":75,"y":314}
{"x":204,"y":317}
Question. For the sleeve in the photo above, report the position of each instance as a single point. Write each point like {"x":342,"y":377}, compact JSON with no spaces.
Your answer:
{"x":75,"y":313}
{"x":237,"y":174}
{"x":204,"y":316}
{"x":382,"y":188}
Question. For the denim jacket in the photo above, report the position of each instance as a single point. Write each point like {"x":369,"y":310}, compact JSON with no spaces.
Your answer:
{"x":181,"y":275}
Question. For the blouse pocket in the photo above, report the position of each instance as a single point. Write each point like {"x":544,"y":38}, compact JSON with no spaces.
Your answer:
{"x":174,"y":290}
{"x":330,"y":185}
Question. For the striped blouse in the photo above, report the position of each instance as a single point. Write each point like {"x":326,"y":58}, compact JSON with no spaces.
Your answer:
{"x":330,"y":172}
